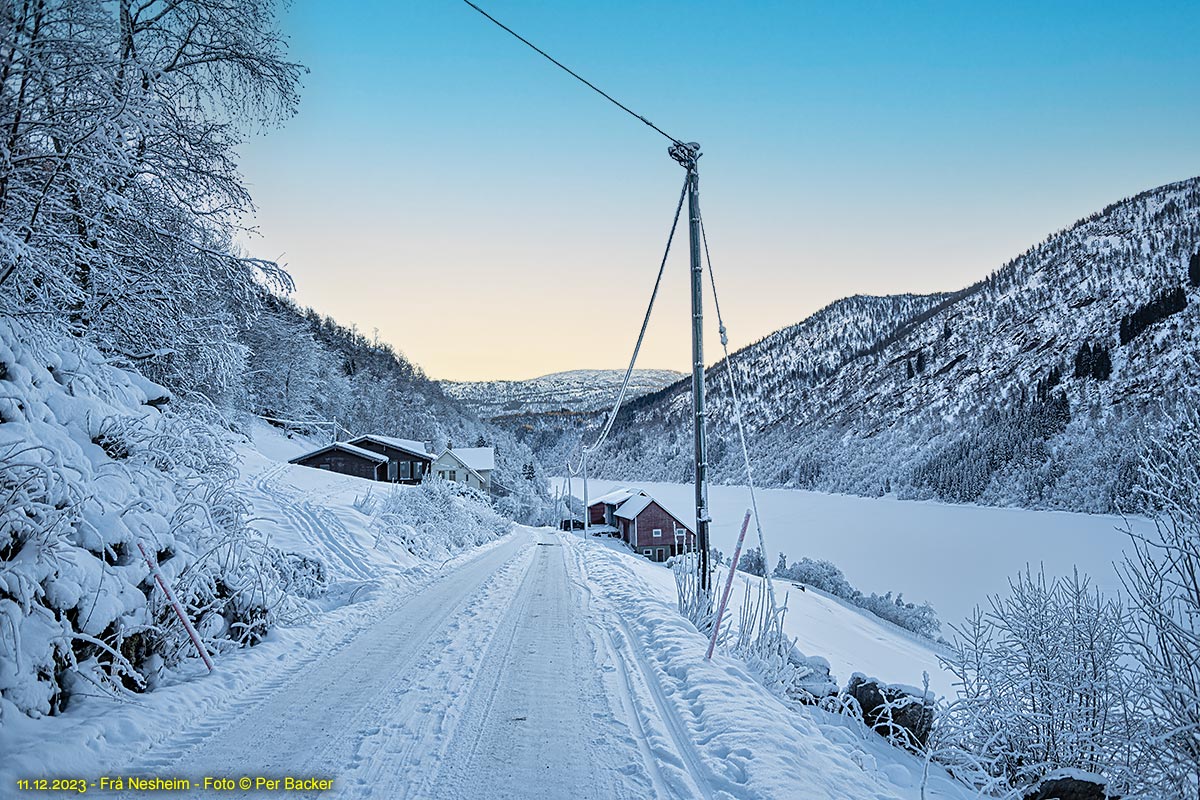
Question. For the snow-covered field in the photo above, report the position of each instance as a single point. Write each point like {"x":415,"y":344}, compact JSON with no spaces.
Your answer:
{"x":950,"y":555}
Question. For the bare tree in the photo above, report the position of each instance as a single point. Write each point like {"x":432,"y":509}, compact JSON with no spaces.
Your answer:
{"x":1162,"y":575}
{"x":1043,"y":684}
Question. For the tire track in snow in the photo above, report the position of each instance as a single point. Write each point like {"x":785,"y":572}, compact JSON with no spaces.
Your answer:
{"x":413,"y":741}
{"x":315,"y":523}
{"x":295,"y":723}
{"x":652,"y":701}
{"x":538,"y":721}
{"x":681,"y":784}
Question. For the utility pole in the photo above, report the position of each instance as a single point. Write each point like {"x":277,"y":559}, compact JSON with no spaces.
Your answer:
{"x":570,"y":496}
{"x":687,"y":155}
{"x":587,"y":516}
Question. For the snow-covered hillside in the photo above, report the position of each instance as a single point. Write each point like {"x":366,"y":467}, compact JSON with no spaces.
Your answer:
{"x":1035,"y":387}
{"x":579,"y":390}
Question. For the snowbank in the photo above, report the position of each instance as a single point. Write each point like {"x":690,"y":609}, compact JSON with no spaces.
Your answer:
{"x":91,"y":466}
{"x":745,"y":742}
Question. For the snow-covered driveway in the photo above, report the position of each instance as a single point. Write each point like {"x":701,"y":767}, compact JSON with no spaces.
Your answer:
{"x":483,"y":684}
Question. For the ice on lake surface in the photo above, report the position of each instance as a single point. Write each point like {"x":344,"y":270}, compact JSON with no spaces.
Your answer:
{"x":951,"y":555}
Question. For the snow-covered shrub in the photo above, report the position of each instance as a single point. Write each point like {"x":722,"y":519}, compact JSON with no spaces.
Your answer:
{"x":437,"y":519}
{"x":1162,"y":575}
{"x":824,"y":575}
{"x":1043,"y":683}
{"x":752,"y":562}
{"x":920,"y":619}
{"x":91,"y":465}
{"x":819,"y":573}
{"x":301,"y":575}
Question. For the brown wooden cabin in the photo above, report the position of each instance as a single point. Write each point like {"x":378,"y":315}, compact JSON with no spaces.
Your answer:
{"x":407,"y":460}
{"x":346,"y":459}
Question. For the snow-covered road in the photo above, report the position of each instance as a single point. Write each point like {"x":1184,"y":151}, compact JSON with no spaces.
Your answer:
{"x":483,"y":684}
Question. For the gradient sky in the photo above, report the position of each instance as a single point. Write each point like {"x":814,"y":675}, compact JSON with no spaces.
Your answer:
{"x":494,"y":219}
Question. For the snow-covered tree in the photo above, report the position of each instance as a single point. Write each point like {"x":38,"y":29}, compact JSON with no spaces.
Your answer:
{"x":1162,"y":575}
{"x":119,"y":193}
{"x":1044,"y":683}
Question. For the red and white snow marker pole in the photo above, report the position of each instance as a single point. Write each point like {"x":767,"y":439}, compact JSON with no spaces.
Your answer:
{"x":187,"y":624}
{"x":737,"y":553}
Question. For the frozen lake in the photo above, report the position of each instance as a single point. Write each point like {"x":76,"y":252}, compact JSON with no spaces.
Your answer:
{"x":951,"y":555}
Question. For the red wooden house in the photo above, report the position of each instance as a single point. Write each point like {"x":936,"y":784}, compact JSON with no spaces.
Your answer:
{"x":642,"y":522}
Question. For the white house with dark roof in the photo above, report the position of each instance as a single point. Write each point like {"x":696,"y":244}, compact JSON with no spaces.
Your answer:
{"x":469,"y":465}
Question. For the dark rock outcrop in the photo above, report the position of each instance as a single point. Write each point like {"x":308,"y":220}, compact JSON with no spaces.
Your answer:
{"x":1071,"y":785}
{"x":901,"y":714}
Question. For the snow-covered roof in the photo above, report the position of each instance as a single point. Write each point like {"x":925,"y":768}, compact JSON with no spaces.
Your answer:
{"x":633,"y":506}
{"x":480,"y":459}
{"x":407,"y":445}
{"x":637,"y":504}
{"x":615,"y":497}
{"x":345,"y":447}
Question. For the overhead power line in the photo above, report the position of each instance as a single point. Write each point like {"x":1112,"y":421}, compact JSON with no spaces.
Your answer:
{"x":572,"y":73}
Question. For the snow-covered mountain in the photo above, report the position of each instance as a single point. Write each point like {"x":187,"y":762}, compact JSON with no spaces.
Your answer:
{"x":574,"y":391}
{"x":1033,"y":387}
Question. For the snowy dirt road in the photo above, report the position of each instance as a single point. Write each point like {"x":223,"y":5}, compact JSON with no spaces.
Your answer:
{"x":487,"y":683}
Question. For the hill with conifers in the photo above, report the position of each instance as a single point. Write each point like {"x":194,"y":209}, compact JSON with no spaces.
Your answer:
{"x":1035,"y":387}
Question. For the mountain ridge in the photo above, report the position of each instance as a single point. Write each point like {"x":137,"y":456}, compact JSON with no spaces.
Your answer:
{"x":1034,"y":386}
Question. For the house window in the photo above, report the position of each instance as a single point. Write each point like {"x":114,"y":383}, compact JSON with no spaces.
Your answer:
{"x":658,"y":533}
{"x":453,"y":474}
{"x":391,"y":470}
{"x":405,"y":470}
{"x":442,"y":474}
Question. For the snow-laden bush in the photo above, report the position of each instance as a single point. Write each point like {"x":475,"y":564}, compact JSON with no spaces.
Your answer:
{"x":1162,"y":575}
{"x":824,"y":575}
{"x":436,"y":519}
{"x":91,"y":466}
{"x":1044,"y":682}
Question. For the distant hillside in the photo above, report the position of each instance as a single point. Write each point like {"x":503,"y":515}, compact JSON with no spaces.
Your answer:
{"x":579,"y":390}
{"x":303,"y":366}
{"x":1033,"y":387}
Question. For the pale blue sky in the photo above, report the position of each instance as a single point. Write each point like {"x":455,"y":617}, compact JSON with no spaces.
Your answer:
{"x":492,"y":218}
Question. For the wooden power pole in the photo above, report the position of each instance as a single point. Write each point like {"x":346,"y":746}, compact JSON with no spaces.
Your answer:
{"x":687,"y":155}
